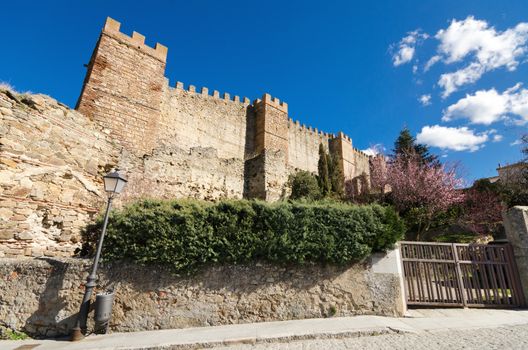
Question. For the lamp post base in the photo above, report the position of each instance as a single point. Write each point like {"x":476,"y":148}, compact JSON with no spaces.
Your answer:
{"x":76,"y":334}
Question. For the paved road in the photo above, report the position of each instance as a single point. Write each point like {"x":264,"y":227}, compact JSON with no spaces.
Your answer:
{"x":514,"y":337}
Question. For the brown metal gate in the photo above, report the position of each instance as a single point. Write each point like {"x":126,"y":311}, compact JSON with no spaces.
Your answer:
{"x":472,"y":275}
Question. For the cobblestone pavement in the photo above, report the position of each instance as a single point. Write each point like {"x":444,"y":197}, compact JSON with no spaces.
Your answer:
{"x":515,"y":337}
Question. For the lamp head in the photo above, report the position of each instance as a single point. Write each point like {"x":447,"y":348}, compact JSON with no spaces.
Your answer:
{"x":114,"y":182}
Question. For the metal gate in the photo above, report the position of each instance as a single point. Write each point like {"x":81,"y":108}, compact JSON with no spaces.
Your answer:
{"x":469,"y":275}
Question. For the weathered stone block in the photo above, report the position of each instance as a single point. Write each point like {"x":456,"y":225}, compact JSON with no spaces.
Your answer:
{"x":516,"y":226}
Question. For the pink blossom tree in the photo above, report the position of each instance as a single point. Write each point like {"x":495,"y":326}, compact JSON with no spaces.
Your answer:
{"x":421,"y":191}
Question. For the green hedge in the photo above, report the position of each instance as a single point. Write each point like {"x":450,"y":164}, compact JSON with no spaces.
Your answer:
{"x":189,"y":234}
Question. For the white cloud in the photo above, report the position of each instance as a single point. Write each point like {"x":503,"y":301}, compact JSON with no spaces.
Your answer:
{"x":516,"y":143}
{"x":425,"y":100}
{"x":431,"y":62}
{"x":489,"y":106}
{"x":374,"y":150}
{"x":497,"y":138}
{"x":456,"y":139}
{"x":489,"y":49}
{"x":450,"y":82}
{"x":407,"y":47}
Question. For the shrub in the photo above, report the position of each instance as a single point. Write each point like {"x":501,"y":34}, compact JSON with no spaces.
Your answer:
{"x":304,"y":185}
{"x":190,"y":234}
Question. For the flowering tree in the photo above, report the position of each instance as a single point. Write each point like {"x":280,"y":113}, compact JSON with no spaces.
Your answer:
{"x":482,"y":211}
{"x":420,"y":191}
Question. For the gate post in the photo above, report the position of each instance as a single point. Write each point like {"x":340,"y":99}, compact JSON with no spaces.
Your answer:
{"x":390,"y":263}
{"x":460,"y":282}
{"x":516,"y":225}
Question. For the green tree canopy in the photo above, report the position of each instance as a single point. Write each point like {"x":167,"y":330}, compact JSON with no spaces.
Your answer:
{"x":406,"y":146}
{"x":304,"y":185}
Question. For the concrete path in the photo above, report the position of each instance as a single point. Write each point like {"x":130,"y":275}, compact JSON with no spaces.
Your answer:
{"x":425,"y":320}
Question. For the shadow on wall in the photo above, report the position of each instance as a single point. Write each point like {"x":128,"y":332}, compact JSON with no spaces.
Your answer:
{"x":46,"y":320}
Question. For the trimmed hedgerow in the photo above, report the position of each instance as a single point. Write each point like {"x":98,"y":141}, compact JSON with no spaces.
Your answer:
{"x":188,"y":234}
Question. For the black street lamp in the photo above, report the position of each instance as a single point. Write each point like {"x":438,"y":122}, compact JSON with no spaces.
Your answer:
{"x":114,"y":184}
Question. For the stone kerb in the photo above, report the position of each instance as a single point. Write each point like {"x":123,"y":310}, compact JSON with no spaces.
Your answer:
{"x":516,"y":225}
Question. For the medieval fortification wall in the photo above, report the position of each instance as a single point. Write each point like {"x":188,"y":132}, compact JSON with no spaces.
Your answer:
{"x":172,"y":141}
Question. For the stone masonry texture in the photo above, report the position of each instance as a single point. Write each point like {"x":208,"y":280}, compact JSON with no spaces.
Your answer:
{"x":171,"y":142}
{"x":41,"y":296}
{"x":516,"y":227}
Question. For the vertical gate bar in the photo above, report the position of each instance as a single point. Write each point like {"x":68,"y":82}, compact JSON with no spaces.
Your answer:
{"x":442,"y":296}
{"x":486,"y":282}
{"x":406,"y":280}
{"x":493,"y":278}
{"x":405,"y":291}
{"x":502,"y":278}
{"x":419,"y":281}
{"x":410,"y":281}
{"x":412,"y":291}
{"x":415,"y":281}
{"x":469,"y":284}
{"x":474,"y":283}
{"x":428,"y":281}
{"x":459,"y":276}
{"x":482,"y":273}
{"x":511,"y":281}
{"x":436,"y":273}
{"x":515,"y":277}
{"x":447,"y":282}
{"x":475,"y":277}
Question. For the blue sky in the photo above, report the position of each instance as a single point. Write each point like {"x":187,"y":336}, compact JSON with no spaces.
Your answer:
{"x":340,"y":65}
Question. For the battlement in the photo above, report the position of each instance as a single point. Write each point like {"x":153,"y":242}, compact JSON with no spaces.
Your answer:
{"x":272,"y":101}
{"x":344,"y":137}
{"x":204,"y":91}
{"x":308,"y":129}
{"x":137,"y":40}
{"x":127,"y":93}
{"x":360,"y":153}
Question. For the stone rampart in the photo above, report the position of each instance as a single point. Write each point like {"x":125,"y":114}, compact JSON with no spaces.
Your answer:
{"x":51,"y":162}
{"x":304,"y":144}
{"x":126,"y":92}
{"x":42,"y":296}
{"x":172,"y":142}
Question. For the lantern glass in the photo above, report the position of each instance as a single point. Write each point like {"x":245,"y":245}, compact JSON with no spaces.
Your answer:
{"x":110,"y":183}
{"x":114,"y":182}
{"x":120,"y":185}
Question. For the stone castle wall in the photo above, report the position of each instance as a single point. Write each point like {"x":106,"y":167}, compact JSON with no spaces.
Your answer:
{"x":42,"y":296}
{"x":51,"y":162}
{"x":126,"y":92}
{"x":304,"y":146}
{"x":172,"y":142}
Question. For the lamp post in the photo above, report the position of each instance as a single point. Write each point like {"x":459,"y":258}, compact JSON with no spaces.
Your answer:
{"x":114,"y":184}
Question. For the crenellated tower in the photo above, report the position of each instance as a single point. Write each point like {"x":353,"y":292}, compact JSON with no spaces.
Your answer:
{"x":124,"y":86}
{"x":267,"y":171}
{"x":197,"y":141}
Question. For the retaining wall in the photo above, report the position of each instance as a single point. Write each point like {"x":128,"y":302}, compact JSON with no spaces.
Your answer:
{"x":42,"y":296}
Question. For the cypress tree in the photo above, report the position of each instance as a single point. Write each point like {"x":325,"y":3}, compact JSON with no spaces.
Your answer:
{"x":336,"y":176}
{"x":324,"y":176}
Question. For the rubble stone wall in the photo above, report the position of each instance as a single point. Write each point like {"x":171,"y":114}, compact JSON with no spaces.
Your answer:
{"x":51,"y":164}
{"x":42,"y":296}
